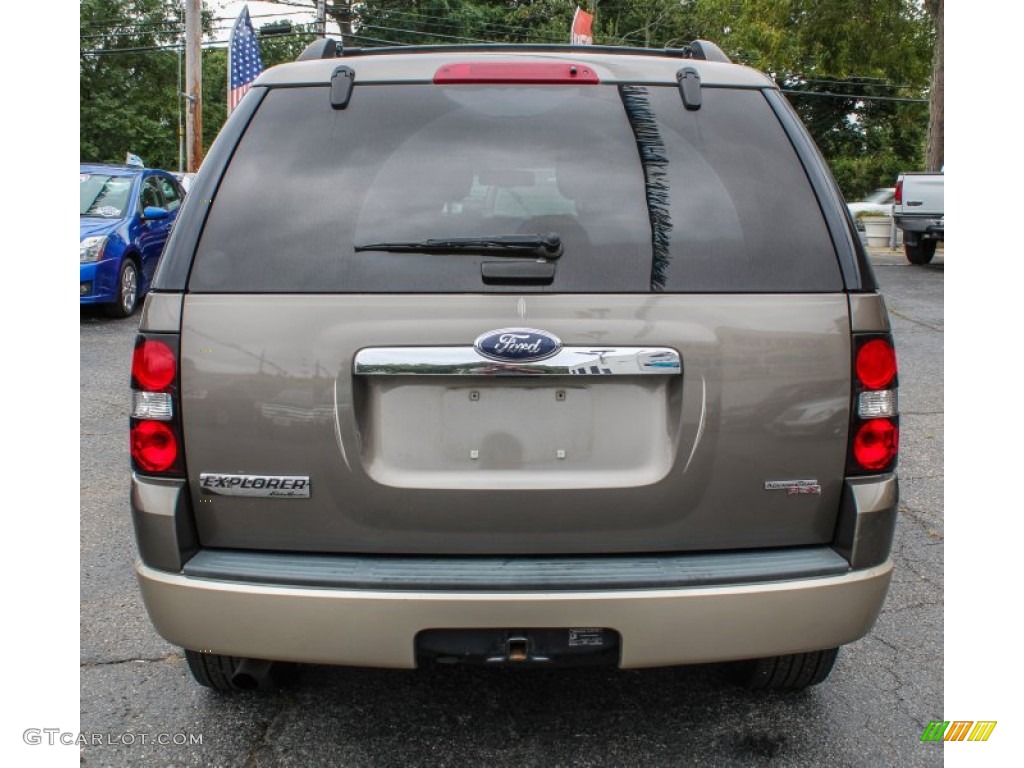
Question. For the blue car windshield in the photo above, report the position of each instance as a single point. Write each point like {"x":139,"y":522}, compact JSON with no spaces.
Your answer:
{"x":104,"y":195}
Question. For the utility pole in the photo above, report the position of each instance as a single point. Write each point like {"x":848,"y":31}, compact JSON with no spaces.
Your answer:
{"x":193,"y":85}
{"x":321,"y":18}
{"x":935,"y":154}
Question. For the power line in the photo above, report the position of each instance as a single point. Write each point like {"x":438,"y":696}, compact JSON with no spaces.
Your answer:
{"x":853,"y":96}
{"x":207,"y":44}
{"x":424,"y":34}
{"x":181,"y":23}
{"x":872,"y":82}
{"x":483,"y":27}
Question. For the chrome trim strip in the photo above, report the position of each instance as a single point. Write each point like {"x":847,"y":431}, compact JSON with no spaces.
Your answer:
{"x":700,"y":424}
{"x":466,"y":361}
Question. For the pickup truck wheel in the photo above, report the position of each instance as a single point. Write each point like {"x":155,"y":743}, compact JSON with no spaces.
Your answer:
{"x":921,"y":253}
{"x":784,"y":673}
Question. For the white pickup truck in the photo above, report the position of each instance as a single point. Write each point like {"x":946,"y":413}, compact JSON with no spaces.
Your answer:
{"x":918,"y":210}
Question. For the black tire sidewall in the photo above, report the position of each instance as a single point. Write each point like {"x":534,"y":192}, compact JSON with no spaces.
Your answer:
{"x":116,"y":308}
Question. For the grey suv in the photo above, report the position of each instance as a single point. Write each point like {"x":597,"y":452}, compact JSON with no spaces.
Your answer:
{"x":519,"y":356}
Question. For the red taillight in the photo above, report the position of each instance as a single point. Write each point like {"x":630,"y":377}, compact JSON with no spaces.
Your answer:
{"x":874,"y":418}
{"x":898,"y":199}
{"x":154,"y":446}
{"x":522,"y":72}
{"x":155,"y":423}
{"x":876,"y":444}
{"x":153,"y":365}
{"x":876,"y":364}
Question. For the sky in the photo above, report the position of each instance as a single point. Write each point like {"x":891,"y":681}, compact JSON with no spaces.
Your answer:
{"x":261,"y":13}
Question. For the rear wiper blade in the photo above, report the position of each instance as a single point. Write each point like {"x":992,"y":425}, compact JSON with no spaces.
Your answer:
{"x":541,"y":246}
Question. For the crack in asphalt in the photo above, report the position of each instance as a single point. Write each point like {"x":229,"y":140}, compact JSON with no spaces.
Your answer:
{"x":921,"y":604}
{"x":924,"y":523}
{"x":168,"y":657}
{"x":891,"y":668}
{"x":911,"y":565}
{"x":920,"y":477}
{"x":265,"y":740}
{"x":929,"y":326}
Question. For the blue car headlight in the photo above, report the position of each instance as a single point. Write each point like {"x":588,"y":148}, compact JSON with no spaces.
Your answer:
{"x":91,"y":248}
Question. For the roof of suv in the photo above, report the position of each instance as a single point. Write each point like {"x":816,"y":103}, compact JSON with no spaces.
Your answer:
{"x":627,"y":65}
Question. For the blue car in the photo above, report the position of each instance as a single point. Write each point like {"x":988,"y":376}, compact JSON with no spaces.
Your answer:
{"x":125,"y":217}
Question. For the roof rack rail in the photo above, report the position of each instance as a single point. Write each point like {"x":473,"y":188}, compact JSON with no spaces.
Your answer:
{"x":326,"y":48}
{"x":329,"y":49}
{"x":322,"y":48}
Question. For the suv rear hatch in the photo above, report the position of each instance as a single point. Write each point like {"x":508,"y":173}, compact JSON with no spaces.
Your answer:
{"x":701,"y":400}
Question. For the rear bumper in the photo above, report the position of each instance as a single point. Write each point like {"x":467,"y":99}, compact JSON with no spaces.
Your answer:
{"x":377,"y":628}
{"x":925,"y":227}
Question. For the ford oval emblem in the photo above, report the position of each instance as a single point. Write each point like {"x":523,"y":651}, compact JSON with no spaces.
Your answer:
{"x":520,"y":345}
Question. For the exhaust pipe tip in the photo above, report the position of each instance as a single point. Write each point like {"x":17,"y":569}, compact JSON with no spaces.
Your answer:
{"x":254,"y":675}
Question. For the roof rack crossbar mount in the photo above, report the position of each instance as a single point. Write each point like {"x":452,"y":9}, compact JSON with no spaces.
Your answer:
{"x":322,"y":48}
{"x":705,"y":50}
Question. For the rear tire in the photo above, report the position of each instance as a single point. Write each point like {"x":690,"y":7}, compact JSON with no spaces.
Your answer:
{"x":784,"y":673}
{"x":222,"y":673}
{"x":212,"y":669}
{"x":127,"y":291}
{"x":921,"y":253}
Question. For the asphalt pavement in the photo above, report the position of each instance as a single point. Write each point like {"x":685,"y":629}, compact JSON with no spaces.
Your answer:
{"x":140,"y":707}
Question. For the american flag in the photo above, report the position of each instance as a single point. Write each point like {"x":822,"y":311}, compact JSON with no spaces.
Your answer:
{"x":244,"y":61}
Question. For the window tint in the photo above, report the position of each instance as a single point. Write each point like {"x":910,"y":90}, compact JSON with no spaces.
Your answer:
{"x":644,"y":194}
{"x":419,"y":162}
{"x":171,"y":196}
{"x":151,"y":194}
{"x":741,"y":212}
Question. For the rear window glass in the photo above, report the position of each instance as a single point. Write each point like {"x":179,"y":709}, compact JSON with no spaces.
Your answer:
{"x":644,"y":195}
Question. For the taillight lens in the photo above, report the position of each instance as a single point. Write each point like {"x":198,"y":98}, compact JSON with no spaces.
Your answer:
{"x":898,"y":198}
{"x":154,"y":365}
{"x":874,"y":419}
{"x":876,"y":444}
{"x":154,"y":446}
{"x":876,"y":363}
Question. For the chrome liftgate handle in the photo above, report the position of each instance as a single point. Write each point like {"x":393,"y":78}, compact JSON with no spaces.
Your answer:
{"x":466,"y":361}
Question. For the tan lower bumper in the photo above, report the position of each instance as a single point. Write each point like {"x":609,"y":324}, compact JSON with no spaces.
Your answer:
{"x":378,"y":629}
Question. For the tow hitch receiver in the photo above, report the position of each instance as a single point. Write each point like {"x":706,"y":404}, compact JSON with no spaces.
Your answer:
{"x":576,"y":646}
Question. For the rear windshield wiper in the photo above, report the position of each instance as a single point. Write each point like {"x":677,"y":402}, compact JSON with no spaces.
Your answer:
{"x":540,"y":246}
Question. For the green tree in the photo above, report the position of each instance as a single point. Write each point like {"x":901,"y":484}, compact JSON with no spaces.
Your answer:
{"x":130,"y":62}
{"x":128,"y":81}
{"x":855,"y":70}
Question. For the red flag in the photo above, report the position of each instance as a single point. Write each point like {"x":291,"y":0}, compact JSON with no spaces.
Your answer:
{"x":582,"y":33}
